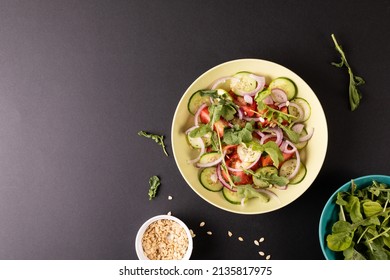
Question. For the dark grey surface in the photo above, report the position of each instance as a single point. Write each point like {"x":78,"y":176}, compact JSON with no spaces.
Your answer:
{"x":79,"y":79}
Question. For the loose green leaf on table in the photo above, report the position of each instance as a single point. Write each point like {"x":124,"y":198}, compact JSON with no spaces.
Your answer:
{"x":354,"y":81}
{"x":159,"y":139}
{"x":154,"y":183}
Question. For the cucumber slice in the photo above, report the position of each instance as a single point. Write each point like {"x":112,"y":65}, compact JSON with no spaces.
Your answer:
{"x":223,"y":94}
{"x":196,"y":100}
{"x":209,"y":179}
{"x":209,"y":157}
{"x":300,"y":175}
{"x":288,"y":168}
{"x":196,"y":142}
{"x":247,"y":154}
{"x":244,"y":84}
{"x":305,"y":108}
{"x":285,"y":84}
{"x":266,"y":169}
{"x":301,"y":145}
{"x":231,"y":196}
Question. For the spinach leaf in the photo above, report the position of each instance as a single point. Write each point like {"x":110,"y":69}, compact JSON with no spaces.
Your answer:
{"x":248,"y":192}
{"x":154,"y":183}
{"x":362,"y":231}
{"x":341,"y":237}
{"x":237,"y":135}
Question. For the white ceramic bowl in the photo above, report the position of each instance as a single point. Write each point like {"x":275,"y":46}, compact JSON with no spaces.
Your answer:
{"x":138,"y":240}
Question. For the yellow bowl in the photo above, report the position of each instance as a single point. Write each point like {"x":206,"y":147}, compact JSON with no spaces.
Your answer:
{"x":313,"y":156}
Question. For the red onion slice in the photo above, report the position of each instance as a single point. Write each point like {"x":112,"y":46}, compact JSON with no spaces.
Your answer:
{"x":284,"y":147}
{"x":268,"y":100}
{"x":278,"y":95}
{"x":222,"y":180}
{"x":299,"y":109}
{"x":294,"y":173}
{"x":307,"y":137}
{"x":217,"y":82}
{"x":202,"y":151}
{"x":275,"y":132}
{"x":196,"y":118}
{"x":248,"y":99}
{"x":240,"y":114}
{"x":298,"y":127}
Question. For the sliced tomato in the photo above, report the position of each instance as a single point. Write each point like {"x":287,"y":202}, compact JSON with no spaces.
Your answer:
{"x":267,"y":161}
{"x":248,"y":109}
{"x":219,"y":127}
{"x":239,"y":177}
{"x":204,"y":115}
{"x":228,"y":149}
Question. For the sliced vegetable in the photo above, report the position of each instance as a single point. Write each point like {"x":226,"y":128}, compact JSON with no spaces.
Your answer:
{"x":209,"y":179}
{"x":196,"y":100}
{"x":286,"y":85}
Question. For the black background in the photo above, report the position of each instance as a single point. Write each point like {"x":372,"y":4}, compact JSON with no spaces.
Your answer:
{"x":79,"y":79}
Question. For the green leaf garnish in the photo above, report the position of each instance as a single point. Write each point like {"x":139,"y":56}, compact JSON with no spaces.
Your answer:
{"x":354,"y":81}
{"x":154,"y":183}
{"x":159,"y":139}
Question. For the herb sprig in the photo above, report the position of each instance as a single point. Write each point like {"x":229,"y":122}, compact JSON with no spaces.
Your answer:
{"x":354,"y":81}
{"x":159,"y":139}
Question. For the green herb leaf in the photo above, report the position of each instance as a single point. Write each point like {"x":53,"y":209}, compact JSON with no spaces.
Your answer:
{"x":200,"y":131}
{"x":154,"y":183}
{"x":272,"y":149}
{"x":270,"y":178}
{"x":341,"y":237}
{"x":247,"y":192}
{"x":354,"y":81}
{"x":237,"y":134}
{"x":159,"y":139}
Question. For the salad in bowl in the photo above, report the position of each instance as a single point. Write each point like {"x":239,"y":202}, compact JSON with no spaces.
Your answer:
{"x":248,"y":135}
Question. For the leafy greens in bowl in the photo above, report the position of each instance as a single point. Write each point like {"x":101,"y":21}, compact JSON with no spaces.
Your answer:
{"x":312,"y":155}
{"x":355,"y":222}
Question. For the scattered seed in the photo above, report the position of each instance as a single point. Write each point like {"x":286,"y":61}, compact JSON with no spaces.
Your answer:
{"x":230,"y":233}
{"x":192,"y":233}
{"x":241,"y":239}
{"x":261,"y":239}
{"x":169,"y":213}
{"x":202,"y":224}
{"x":268,"y":257}
{"x":256,"y":243}
{"x":261,"y":253}
{"x":170,"y":197}
{"x":209,"y":233}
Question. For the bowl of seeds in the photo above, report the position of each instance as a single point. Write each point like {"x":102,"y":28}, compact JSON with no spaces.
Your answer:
{"x":163,"y":237}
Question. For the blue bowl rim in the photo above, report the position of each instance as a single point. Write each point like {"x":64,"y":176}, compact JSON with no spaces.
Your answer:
{"x":361,"y":182}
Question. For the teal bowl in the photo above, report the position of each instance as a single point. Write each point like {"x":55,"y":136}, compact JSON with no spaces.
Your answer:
{"x":329,"y":214}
